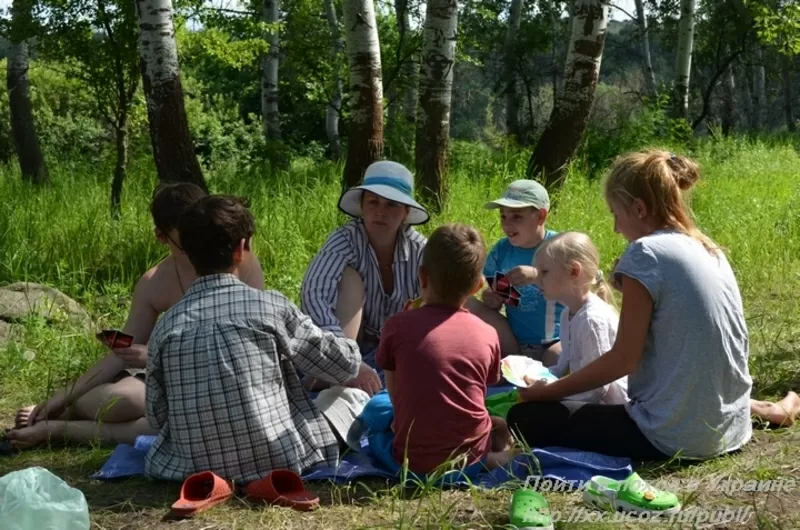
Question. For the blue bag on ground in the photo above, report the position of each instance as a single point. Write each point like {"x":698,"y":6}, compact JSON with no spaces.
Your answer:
{"x":36,"y":499}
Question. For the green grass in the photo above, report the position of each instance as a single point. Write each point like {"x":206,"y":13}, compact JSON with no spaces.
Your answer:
{"x":63,"y":236}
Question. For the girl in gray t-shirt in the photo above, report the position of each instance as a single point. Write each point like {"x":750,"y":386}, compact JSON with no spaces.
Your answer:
{"x":682,"y":341}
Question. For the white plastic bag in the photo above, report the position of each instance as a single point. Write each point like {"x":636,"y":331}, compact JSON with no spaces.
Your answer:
{"x":36,"y":499}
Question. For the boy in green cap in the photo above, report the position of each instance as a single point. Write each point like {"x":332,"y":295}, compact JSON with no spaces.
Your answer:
{"x":531,"y":324}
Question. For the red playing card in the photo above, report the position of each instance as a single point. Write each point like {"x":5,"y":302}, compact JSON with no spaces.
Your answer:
{"x":501,"y":283}
{"x":114,"y":338}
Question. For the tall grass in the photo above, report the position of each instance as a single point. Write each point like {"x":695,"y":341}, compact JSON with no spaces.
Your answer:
{"x":63,"y":236}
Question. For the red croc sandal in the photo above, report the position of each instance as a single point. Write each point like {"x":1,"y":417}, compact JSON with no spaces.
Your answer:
{"x":200,"y":492}
{"x":282,"y":487}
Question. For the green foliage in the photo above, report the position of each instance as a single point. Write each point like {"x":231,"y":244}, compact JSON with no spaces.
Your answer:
{"x":619,"y":125}
{"x":777,"y":25}
{"x":65,"y":114}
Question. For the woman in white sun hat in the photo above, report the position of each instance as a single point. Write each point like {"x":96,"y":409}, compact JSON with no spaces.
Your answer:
{"x":367,"y":269}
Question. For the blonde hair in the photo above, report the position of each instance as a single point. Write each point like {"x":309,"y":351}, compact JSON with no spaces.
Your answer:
{"x":575,"y":247}
{"x":658,"y":179}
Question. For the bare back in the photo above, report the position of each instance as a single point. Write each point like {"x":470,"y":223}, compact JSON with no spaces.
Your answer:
{"x":165,"y":284}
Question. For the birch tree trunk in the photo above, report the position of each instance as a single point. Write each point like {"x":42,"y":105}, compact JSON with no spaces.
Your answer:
{"x":684,"y":59}
{"x":410,"y":67}
{"x":269,"y":74}
{"x":761,"y":92}
{"x":728,"y":102}
{"x":23,"y":128}
{"x":746,"y":96}
{"x":565,"y":128}
{"x":435,"y":92}
{"x":365,"y":142}
{"x":512,"y":103}
{"x":644,"y":42}
{"x":788,"y":90}
{"x":173,"y":148}
{"x":121,"y":165}
{"x":335,"y":104}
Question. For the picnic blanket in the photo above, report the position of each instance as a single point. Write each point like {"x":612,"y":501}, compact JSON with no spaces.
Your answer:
{"x":569,"y":466}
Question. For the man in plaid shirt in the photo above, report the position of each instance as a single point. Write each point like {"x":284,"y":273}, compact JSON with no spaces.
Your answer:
{"x":222,"y":384}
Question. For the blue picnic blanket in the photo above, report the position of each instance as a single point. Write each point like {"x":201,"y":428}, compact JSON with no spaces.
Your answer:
{"x":570,"y":466}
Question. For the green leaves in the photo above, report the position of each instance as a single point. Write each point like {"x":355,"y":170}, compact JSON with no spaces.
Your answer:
{"x":777,"y":25}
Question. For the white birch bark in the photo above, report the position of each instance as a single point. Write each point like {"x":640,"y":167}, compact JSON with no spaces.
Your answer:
{"x":157,"y":44}
{"x":684,"y":58}
{"x":269,"y":74}
{"x":365,"y":144}
{"x":644,"y":42}
{"x":173,"y":148}
{"x":512,"y":103}
{"x":571,"y":110}
{"x":335,"y":103}
{"x":435,"y":92}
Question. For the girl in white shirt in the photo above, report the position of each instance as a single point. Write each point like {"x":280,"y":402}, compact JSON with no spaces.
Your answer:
{"x":568,"y":267}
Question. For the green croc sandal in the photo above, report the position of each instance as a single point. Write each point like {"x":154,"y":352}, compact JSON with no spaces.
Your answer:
{"x":529,"y":510}
{"x":630,"y":495}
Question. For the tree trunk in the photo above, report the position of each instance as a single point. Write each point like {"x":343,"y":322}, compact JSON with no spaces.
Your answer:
{"x":269,"y":74}
{"x":23,"y":128}
{"x":335,"y":104}
{"x":571,"y":110}
{"x":173,"y":148}
{"x":409,"y":69}
{"x":786,"y":74}
{"x":512,"y":103}
{"x":555,"y":67}
{"x":435,"y":92}
{"x":644,"y":42}
{"x":365,"y":142}
{"x":121,"y":164}
{"x":761,"y":91}
{"x":746,"y":95}
{"x":728,"y":102}
{"x":684,"y":59}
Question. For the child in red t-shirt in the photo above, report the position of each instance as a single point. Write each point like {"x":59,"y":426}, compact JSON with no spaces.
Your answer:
{"x":439,"y":360}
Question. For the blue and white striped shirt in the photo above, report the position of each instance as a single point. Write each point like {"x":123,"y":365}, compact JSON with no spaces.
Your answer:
{"x":349,"y":246}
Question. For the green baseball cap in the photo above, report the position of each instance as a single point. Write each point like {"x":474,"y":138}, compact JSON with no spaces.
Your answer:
{"x":522,"y":194}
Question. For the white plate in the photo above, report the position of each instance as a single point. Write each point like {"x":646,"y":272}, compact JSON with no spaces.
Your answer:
{"x":516,"y":367}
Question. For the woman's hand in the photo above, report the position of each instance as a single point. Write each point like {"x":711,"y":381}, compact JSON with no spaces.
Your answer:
{"x":522,"y":275}
{"x":535,"y":391}
{"x":492,"y":300}
{"x":134,"y":356}
{"x":367,"y":380}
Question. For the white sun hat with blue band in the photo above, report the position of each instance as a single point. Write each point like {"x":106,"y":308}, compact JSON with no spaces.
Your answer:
{"x":393,"y":182}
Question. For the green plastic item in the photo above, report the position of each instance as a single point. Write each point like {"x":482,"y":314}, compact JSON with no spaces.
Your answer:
{"x":529,"y":510}
{"x":630,"y":495}
{"x":500,"y":404}
{"x":36,"y":499}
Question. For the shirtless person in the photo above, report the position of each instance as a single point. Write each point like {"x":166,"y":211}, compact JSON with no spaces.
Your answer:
{"x":107,"y":403}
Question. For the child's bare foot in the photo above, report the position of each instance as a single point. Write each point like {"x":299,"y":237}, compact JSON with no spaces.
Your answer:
{"x":501,"y":458}
{"x":783,"y":413}
{"x":21,"y":419}
{"x":502,"y":439}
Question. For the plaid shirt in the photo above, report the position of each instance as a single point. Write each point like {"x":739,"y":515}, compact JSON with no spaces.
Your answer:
{"x":222,"y":385}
